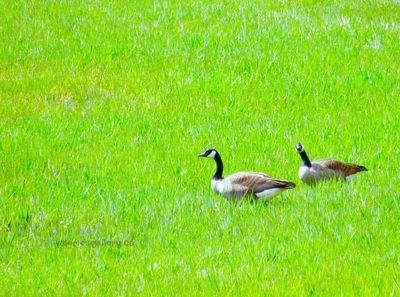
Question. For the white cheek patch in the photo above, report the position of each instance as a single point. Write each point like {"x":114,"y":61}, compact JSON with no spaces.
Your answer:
{"x":211,"y":155}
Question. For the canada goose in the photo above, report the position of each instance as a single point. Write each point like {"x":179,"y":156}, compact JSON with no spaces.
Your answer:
{"x":312,"y":172}
{"x":251,"y":184}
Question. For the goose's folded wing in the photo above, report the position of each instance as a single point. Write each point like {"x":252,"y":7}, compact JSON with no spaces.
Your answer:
{"x":258,"y":182}
{"x":336,"y":165}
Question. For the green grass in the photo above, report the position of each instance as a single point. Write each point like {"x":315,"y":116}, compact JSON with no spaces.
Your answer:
{"x":105,"y":106}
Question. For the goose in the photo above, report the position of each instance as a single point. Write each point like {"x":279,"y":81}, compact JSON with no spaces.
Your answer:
{"x":325,"y":169}
{"x":256,"y":185}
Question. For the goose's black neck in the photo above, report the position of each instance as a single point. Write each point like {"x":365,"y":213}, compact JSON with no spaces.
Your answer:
{"x":306,"y":160}
{"x":220,"y":167}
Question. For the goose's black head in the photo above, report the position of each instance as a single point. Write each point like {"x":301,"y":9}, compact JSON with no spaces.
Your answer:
{"x":211,"y":153}
{"x":299,"y":147}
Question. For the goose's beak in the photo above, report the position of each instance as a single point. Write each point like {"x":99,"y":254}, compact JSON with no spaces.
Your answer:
{"x":202,"y":154}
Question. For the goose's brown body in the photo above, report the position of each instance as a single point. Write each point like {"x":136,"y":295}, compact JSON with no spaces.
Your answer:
{"x":325,"y":169}
{"x":244,"y":184}
{"x":255,"y":184}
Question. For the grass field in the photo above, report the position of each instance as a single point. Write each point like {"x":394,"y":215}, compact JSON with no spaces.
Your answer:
{"x":106,"y":104}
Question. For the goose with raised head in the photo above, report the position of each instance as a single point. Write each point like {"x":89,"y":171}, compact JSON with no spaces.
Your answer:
{"x":256,"y":185}
{"x":325,"y":169}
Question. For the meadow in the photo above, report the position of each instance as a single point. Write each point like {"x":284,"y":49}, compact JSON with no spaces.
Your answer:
{"x":106,"y":104}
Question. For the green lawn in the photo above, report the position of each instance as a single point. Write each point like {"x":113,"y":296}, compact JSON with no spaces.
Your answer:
{"x":106,"y":104}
